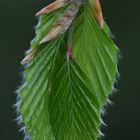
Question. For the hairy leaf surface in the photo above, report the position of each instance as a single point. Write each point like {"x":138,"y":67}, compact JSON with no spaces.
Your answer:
{"x":68,"y":78}
{"x":95,"y":53}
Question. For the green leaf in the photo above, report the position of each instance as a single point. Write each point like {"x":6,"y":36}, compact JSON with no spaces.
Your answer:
{"x":46,"y":22}
{"x":34,"y":93}
{"x":95,"y":53}
{"x":74,"y":109}
{"x":68,"y":79}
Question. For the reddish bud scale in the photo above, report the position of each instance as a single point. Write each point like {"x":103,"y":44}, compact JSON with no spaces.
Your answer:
{"x":52,"y":7}
{"x":97,"y":11}
{"x":70,"y":54}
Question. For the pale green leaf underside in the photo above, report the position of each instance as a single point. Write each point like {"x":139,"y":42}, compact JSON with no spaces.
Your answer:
{"x":61,"y":98}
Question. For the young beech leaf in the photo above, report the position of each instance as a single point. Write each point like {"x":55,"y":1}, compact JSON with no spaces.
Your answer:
{"x":70,"y":71}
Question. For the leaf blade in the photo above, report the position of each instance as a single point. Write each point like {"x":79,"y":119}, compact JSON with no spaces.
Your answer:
{"x":95,"y":53}
{"x":64,"y":93}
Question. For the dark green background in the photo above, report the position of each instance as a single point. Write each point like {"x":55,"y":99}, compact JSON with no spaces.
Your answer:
{"x":16,"y":30}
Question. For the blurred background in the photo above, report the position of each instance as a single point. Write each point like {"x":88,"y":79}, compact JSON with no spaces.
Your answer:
{"x":16,"y":30}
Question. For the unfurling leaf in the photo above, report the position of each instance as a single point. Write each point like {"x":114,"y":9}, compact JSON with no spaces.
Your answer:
{"x":70,"y":72}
